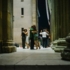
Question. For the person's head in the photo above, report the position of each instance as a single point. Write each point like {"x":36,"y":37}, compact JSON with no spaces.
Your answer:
{"x":25,"y":30}
{"x":40,"y":30}
{"x":43,"y":30}
{"x":34,"y":27}
{"x":22,"y":29}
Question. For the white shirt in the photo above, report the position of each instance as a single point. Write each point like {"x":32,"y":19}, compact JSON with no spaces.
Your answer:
{"x":44,"y":34}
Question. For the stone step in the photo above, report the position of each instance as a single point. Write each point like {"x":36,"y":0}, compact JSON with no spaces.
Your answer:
{"x":35,"y":67}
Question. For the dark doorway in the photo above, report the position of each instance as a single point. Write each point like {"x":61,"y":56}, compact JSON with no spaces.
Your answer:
{"x":42,"y":15}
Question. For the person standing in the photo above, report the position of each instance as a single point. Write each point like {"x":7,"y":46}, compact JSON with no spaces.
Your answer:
{"x":47,"y":38}
{"x":40,"y":37}
{"x":23,"y":37}
{"x":44,"y":37}
{"x":27,"y":41}
{"x":32,"y":32}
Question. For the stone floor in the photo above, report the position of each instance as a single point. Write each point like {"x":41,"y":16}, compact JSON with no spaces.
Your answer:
{"x":27,"y":57}
{"x":43,"y":56}
{"x":41,"y":50}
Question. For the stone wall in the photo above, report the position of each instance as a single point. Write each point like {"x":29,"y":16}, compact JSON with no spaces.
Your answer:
{"x":19,"y":20}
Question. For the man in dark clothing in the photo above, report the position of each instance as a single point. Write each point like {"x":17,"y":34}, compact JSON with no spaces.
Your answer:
{"x":31,"y":40}
{"x":23,"y":37}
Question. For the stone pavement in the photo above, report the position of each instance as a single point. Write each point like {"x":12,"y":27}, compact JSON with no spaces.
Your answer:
{"x":43,"y":56}
{"x":41,"y":50}
{"x":27,"y":57}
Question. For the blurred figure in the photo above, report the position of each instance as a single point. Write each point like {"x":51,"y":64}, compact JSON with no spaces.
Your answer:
{"x":23,"y":37}
{"x":31,"y":38}
{"x":44,"y":37}
{"x":27,"y":40}
{"x":36,"y":41}
{"x":48,"y":38}
{"x":40,"y":37}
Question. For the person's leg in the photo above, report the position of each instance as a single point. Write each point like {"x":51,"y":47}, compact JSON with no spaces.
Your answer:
{"x":23,"y":42}
{"x":45,"y":42}
{"x":41,"y":41}
{"x":32,"y":44}
{"x":37,"y":44}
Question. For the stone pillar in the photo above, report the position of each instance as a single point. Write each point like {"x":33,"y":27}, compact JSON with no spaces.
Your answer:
{"x":60,"y":19}
{"x":52,"y":25}
{"x":7,"y":26}
{"x":0,"y":26}
{"x":34,"y":17}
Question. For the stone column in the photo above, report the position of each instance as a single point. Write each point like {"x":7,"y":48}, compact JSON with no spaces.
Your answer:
{"x":7,"y":26}
{"x":60,"y":22}
{"x":60,"y":19}
{"x":0,"y":26}
{"x":34,"y":17}
{"x":55,"y":19}
{"x":52,"y":25}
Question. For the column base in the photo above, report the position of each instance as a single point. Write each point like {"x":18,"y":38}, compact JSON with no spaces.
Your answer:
{"x":58,"y":45}
{"x":65,"y":54}
{"x":8,"y":49}
{"x":59,"y":48}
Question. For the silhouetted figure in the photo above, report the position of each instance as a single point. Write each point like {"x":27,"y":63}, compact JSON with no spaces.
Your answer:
{"x":23,"y":37}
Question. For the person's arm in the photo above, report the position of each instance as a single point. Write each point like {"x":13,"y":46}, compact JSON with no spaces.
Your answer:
{"x":47,"y":34}
{"x":23,"y":31}
{"x":40,"y":33}
{"x":34,"y":31}
{"x":26,"y":33}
